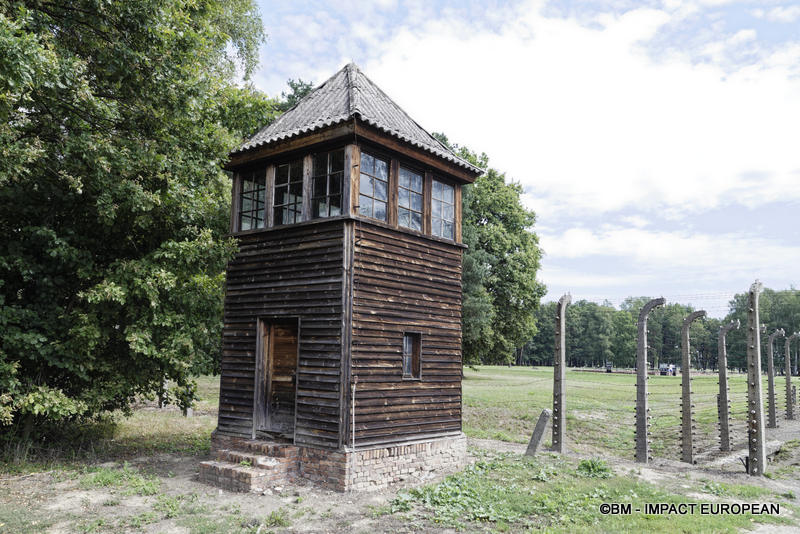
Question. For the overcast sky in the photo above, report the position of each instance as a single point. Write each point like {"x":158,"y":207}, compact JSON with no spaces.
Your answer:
{"x":657,"y":141}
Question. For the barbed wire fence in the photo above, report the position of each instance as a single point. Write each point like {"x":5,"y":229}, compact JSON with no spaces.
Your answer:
{"x":649,"y":420}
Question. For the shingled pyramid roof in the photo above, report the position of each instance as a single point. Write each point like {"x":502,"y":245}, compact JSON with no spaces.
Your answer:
{"x":345,"y":95}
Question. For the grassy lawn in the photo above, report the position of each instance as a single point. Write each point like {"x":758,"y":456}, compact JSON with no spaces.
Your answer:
{"x":509,"y":493}
{"x":138,"y":474}
{"x":504,"y":403}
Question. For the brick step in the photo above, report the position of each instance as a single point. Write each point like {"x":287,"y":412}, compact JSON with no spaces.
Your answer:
{"x":254,"y":460}
{"x":270,"y":449}
{"x":235,"y":477}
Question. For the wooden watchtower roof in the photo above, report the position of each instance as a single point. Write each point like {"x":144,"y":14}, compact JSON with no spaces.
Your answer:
{"x":349,"y":103}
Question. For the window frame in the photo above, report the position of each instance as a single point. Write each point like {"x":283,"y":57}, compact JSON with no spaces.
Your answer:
{"x":454,"y":204}
{"x":259,"y":177}
{"x":402,"y":164}
{"x":378,"y":155}
{"x":343,"y":179}
{"x":273,"y":197}
{"x":416,"y":356}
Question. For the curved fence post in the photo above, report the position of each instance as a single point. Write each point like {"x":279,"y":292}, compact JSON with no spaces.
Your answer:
{"x":723,"y":403}
{"x":772,"y":421}
{"x":642,"y":453}
{"x":687,"y":451}
{"x":559,"y":364}
{"x":757,"y":460}
{"x":787,"y":364}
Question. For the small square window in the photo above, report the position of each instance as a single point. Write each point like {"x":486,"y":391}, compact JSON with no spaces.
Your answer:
{"x":411,"y":355}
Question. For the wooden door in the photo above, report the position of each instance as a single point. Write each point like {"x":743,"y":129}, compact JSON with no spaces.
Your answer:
{"x":277,"y":366}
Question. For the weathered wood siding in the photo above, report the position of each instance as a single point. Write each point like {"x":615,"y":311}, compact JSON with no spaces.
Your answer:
{"x":295,"y":271}
{"x":405,"y":283}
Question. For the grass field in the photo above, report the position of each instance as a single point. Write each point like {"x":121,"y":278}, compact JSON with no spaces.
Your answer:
{"x":138,"y":474}
{"x":504,"y":403}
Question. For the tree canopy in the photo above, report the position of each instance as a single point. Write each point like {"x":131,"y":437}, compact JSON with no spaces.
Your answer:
{"x":115,"y":120}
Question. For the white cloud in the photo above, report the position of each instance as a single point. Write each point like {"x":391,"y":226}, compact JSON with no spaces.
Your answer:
{"x":708,"y":256}
{"x":589,"y":122}
{"x":786,"y":14}
{"x":704,"y":270}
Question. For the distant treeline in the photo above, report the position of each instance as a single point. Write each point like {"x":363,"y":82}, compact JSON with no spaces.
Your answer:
{"x":596,"y":333}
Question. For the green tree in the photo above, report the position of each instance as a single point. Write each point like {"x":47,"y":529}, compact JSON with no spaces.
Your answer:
{"x":540,"y":350}
{"x":297,"y":90}
{"x":623,"y":338}
{"x":589,"y":334}
{"x":777,"y":309}
{"x":115,"y":120}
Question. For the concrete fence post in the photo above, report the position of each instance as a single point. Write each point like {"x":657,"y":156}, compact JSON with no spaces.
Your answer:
{"x":772,"y":421}
{"x":757,"y":460}
{"x":559,"y":365}
{"x":723,"y":402}
{"x":687,"y":421}
{"x":642,"y":453}
{"x":788,"y":371}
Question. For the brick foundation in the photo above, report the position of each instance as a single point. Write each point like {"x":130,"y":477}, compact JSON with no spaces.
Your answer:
{"x":253,"y":465}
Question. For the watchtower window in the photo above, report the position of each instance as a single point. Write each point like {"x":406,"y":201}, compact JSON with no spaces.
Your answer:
{"x":288,"y":204}
{"x":443,"y":210}
{"x":411,"y":363}
{"x":326,"y":175}
{"x":373,"y":187}
{"x":252,"y":201}
{"x":409,"y":202}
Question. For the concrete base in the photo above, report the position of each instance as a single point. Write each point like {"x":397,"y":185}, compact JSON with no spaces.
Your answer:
{"x":255,"y":465}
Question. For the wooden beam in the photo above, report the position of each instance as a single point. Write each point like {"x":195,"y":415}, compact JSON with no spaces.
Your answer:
{"x":354,"y":178}
{"x":270,"y":196}
{"x":458,"y":213}
{"x":394,"y":169}
{"x":236,"y":187}
{"x":254,"y":155}
{"x":427,"y":198}
{"x":306,"y":216}
{"x":350,"y":160}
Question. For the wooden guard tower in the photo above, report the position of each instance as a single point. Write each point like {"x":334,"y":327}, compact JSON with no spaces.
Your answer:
{"x":341,"y":354}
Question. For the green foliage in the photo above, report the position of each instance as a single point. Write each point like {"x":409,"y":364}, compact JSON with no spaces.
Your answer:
{"x":297,"y":90}
{"x":115,"y":120}
{"x":503,"y":494}
{"x":777,"y":309}
{"x":597,"y":333}
{"x":277,"y":518}
{"x":594,"y":468}
{"x":172,"y":506}
{"x":130,"y":480}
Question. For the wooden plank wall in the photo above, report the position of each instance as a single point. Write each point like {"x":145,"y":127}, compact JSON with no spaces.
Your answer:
{"x":295,"y":271}
{"x":404,"y":283}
